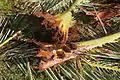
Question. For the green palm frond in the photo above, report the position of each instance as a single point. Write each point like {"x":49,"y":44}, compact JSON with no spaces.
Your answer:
{"x":13,"y":24}
{"x":58,"y":6}
{"x":102,"y":41}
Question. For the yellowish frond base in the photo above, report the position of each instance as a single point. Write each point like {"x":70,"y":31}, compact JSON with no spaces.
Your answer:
{"x":65,"y":24}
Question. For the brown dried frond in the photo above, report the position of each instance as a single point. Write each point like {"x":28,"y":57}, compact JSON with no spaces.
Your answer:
{"x":44,"y":22}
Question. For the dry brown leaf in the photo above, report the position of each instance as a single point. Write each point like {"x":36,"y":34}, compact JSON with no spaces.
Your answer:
{"x":54,"y":62}
{"x":104,"y":15}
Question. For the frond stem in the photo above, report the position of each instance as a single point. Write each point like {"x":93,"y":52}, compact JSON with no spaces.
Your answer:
{"x":10,"y":38}
{"x":99,"y":42}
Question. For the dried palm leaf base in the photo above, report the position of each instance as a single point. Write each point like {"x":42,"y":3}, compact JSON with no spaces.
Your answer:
{"x":46,"y":27}
{"x":54,"y":57}
{"x":56,"y":43}
{"x":54,"y":62}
